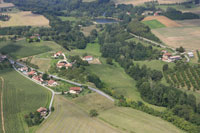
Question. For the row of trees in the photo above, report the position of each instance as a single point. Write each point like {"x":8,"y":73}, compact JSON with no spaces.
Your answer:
{"x":178,"y":15}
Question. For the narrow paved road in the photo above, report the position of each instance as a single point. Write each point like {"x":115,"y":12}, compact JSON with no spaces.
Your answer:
{"x":74,"y":83}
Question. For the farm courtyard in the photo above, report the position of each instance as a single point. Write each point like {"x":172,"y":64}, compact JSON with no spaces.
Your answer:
{"x":25,"y":18}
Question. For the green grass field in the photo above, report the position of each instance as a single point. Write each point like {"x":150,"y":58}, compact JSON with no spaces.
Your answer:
{"x":134,"y":121}
{"x":1,"y":130}
{"x":91,"y":49}
{"x":70,"y":118}
{"x":154,"y":24}
{"x":22,"y":48}
{"x":21,"y":96}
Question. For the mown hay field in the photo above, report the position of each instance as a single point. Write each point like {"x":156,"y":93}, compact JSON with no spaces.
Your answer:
{"x":20,"y":97}
{"x":163,"y":20}
{"x":188,"y":35}
{"x":25,"y":18}
{"x":71,"y":116}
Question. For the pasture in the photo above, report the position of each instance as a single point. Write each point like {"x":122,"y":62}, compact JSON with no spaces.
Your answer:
{"x":187,"y":36}
{"x":134,"y":121}
{"x":70,"y":118}
{"x":115,"y":77}
{"x":21,"y":96}
{"x":91,"y":49}
{"x":163,"y":20}
{"x":87,"y":30}
{"x":22,"y":48}
{"x":154,"y":24}
{"x":25,"y":18}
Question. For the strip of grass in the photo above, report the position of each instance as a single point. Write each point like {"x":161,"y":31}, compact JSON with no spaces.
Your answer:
{"x":154,"y":24}
{"x":21,"y":96}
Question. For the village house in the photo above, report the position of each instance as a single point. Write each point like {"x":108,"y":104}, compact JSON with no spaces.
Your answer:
{"x":158,"y":13}
{"x":88,"y":58}
{"x":23,"y":69}
{"x":2,"y":57}
{"x":56,"y":55}
{"x":64,"y":64}
{"x":52,"y":83}
{"x":31,"y":73}
{"x":42,"y":111}
{"x":190,"y":54}
{"x":174,"y":58}
{"x":37,"y":79}
{"x":145,"y":13}
{"x":75,"y":90}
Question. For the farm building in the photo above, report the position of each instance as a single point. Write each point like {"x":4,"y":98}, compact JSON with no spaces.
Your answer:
{"x":42,"y":111}
{"x":56,"y":55}
{"x":190,"y":54}
{"x":88,"y":58}
{"x":52,"y":83}
{"x":75,"y":90}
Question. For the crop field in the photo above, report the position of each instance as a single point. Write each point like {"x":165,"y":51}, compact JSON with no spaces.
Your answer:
{"x":70,"y":118}
{"x":22,"y":48}
{"x":187,"y":36}
{"x":25,"y":18}
{"x":141,"y":2}
{"x":154,"y":24}
{"x":163,"y":20}
{"x":130,"y":120}
{"x":4,"y":5}
{"x":20,"y":97}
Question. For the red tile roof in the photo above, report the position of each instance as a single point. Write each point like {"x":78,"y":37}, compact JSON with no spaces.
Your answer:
{"x":31,"y":72}
{"x":86,"y":57}
{"x":75,"y":88}
{"x":51,"y":82}
{"x":167,"y":54}
{"x":41,"y":109}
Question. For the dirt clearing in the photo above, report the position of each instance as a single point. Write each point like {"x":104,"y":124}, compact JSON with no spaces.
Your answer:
{"x":164,"y":20}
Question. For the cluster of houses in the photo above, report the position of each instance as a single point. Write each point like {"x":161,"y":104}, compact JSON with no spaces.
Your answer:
{"x":2,"y":58}
{"x":37,"y":77}
{"x":51,"y":83}
{"x":64,"y":63}
{"x":168,"y":57}
{"x":152,"y":13}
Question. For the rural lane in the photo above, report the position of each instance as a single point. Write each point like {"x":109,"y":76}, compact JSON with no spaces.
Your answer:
{"x":72,"y":82}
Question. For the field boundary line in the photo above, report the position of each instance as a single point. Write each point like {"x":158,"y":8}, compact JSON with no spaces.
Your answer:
{"x":2,"y":118}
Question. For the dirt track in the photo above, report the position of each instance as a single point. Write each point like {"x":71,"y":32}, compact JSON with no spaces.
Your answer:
{"x":2,"y":118}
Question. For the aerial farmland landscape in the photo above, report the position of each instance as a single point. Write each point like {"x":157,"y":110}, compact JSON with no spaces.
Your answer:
{"x":100,"y":66}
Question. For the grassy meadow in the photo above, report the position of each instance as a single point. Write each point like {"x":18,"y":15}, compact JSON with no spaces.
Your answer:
{"x":22,"y":48}
{"x":154,"y":24}
{"x":71,"y":116}
{"x":21,"y":96}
